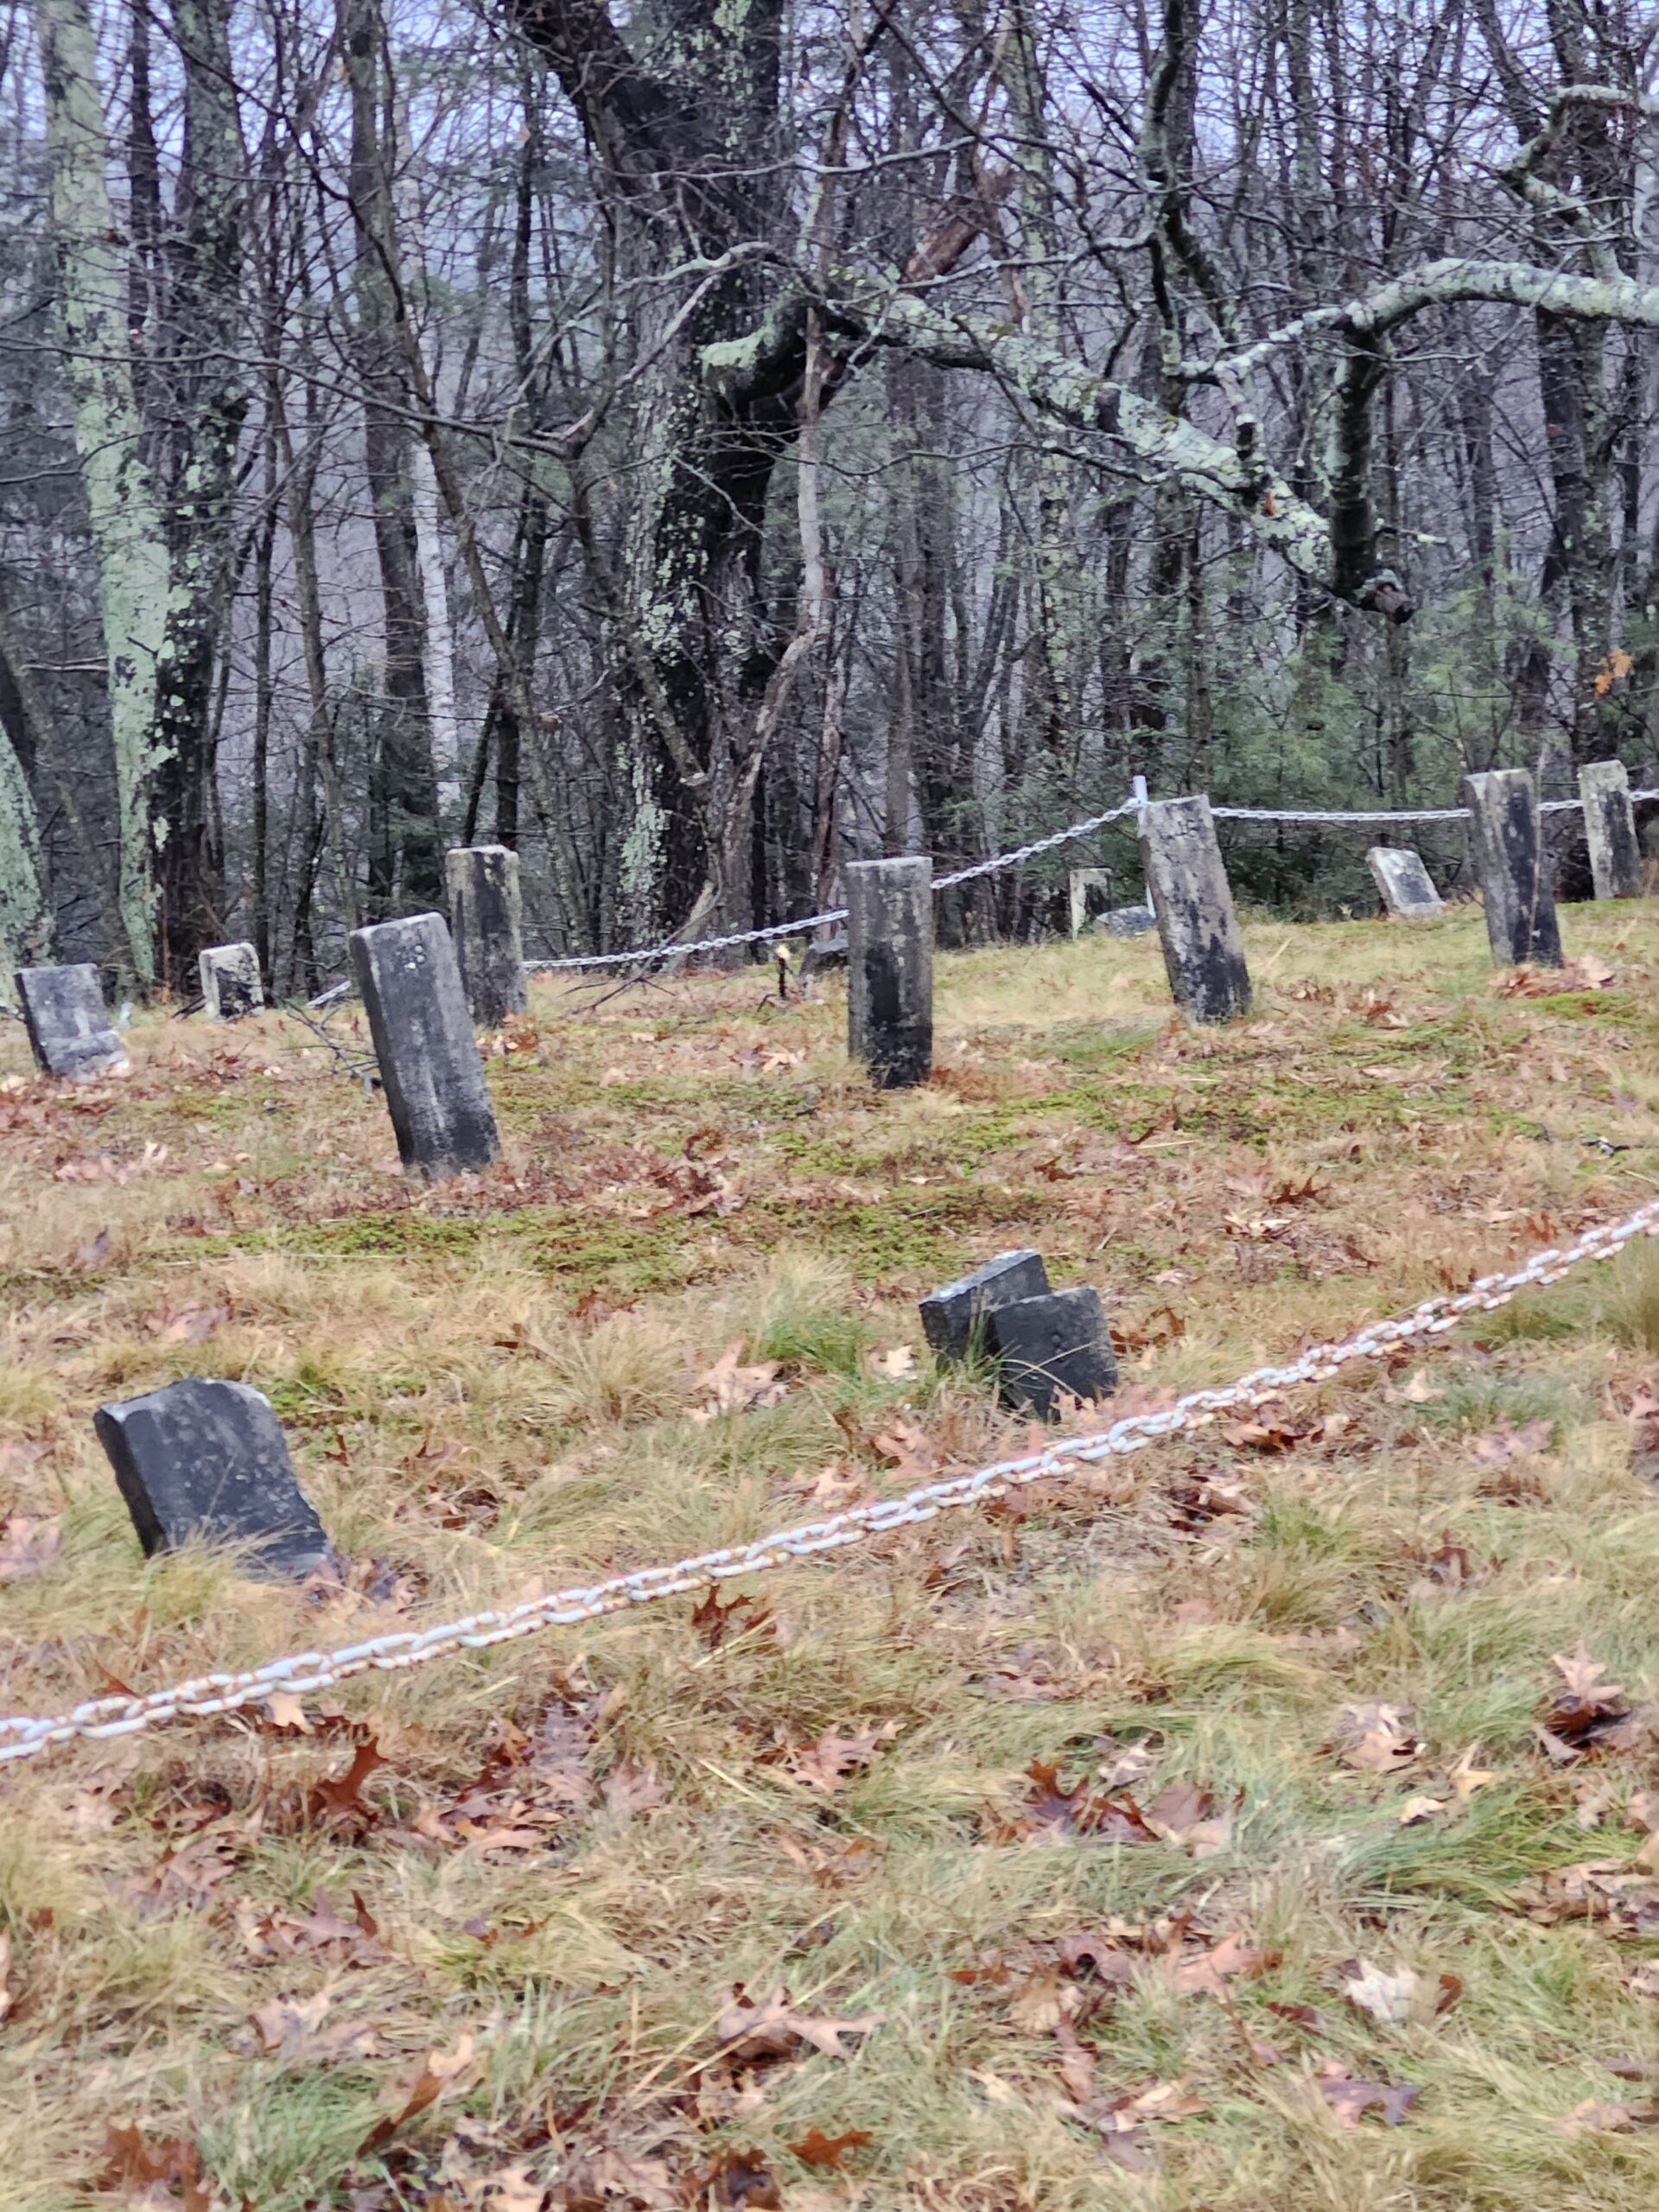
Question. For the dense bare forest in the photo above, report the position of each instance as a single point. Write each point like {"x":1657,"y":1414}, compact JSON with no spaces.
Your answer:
{"x":697,"y":448}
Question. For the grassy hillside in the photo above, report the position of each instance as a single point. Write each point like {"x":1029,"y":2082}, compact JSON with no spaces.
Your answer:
{"x":1178,"y":1836}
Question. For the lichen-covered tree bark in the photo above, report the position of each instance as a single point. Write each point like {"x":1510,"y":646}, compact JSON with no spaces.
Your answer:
{"x":127,"y":539}
{"x":25,"y":925}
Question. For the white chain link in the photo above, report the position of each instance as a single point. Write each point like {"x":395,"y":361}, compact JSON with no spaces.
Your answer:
{"x":302,"y":1673}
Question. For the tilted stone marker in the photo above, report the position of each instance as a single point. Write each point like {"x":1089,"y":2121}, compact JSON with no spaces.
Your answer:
{"x":953,"y":1319}
{"x":1402,"y":882}
{"x":1515,"y":870}
{"x":1128,"y":921}
{"x":1089,"y":893}
{"x":423,"y":1033}
{"x":1050,"y":1347}
{"x":1609,"y":829}
{"x":1186,"y":882}
{"x":229,"y":981}
{"x":890,"y":969}
{"x":208,"y":1461}
{"x":69,"y":1028}
{"x":486,"y":920}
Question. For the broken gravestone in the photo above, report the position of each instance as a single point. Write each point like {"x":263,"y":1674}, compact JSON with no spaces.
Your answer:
{"x":1402,"y":882}
{"x":68,"y":1024}
{"x":423,"y":1041}
{"x":207,"y":1461}
{"x":1516,"y":875}
{"x":1186,"y":883}
{"x":1610,"y":830}
{"x":1051,"y":1347}
{"x":953,"y":1317}
{"x":486,"y":920}
{"x":890,"y":969}
{"x":229,"y":981}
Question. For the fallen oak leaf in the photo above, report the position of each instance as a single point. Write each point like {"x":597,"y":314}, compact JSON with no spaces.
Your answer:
{"x":1206,"y":1974}
{"x":28,"y":1543}
{"x":1374,"y":1737}
{"x":1387,"y":1996}
{"x":817,"y":2149}
{"x":1350,"y":2100}
{"x":767,"y":2027}
{"x":137,"y":2167}
{"x":407,"y":2099}
{"x":1594,"y":2117}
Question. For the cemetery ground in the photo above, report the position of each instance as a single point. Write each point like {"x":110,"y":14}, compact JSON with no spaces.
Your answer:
{"x":1268,"y":1819}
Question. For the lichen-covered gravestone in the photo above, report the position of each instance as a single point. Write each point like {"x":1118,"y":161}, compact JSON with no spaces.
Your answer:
{"x":1610,"y":830}
{"x":229,"y":981}
{"x":68,"y":1024}
{"x":1051,"y":1347}
{"x":1186,"y":882}
{"x":1088,"y":895}
{"x":423,"y":1041}
{"x":486,"y":920}
{"x":1402,"y":882}
{"x":890,"y":969}
{"x":1514,"y":869}
{"x":207,"y":1461}
{"x":953,"y":1317}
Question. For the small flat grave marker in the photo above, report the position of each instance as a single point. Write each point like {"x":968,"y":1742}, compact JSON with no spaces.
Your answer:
{"x":1402,"y":882}
{"x":1128,"y":921}
{"x":69,"y":1028}
{"x":953,"y":1316}
{"x":1051,"y":1347}
{"x":207,"y":1460}
{"x":229,"y":981}
{"x":422,"y":1032}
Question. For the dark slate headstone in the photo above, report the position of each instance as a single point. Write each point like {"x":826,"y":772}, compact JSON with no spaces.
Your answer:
{"x":890,"y":969}
{"x":1048,"y":1347}
{"x":229,"y":981}
{"x":68,"y":1024}
{"x":1610,"y":830}
{"x":1186,"y":882}
{"x":952,"y":1318}
{"x":423,"y":1033}
{"x":1402,"y":882}
{"x":1516,"y":875}
{"x":207,"y":1461}
{"x":1128,"y":921}
{"x":486,"y":920}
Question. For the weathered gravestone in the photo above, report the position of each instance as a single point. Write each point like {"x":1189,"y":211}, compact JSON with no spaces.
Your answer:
{"x":208,"y":1461}
{"x":229,"y":981}
{"x":953,"y":1317}
{"x":1186,"y":882}
{"x":1051,"y":1347}
{"x":423,"y":1041}
{"x":68,"y":1024}
{"x":486,"y":920}
{"x":1088,"y":895}
{"x":1128,"y":921}
{"x":890,"y":969}
{"x":1402,"y":882}
{"x":1514,"y":868}
{"x":1610,"y":830}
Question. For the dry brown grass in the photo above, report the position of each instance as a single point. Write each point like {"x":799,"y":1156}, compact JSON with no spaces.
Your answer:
{"x":493,"y":1387}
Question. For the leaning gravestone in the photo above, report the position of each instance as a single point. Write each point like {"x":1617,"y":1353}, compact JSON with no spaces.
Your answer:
{"x":486,"y":920}
{"x":1514,"y":867}
{"x":1610,"y":830}
{"x":433,"y":1079}
{"x":1051,"y":1347}
{"x":68,"y":1024}
{"x":1402,"y":882}
{"x":890,"y":969}
{"x":1186,"y":882}
{"x":208,"y":1461}
{"x":229,"y":981}
{"x":953,"y":1317}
